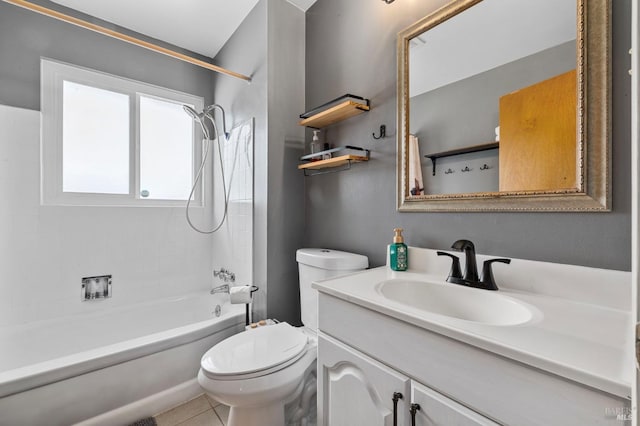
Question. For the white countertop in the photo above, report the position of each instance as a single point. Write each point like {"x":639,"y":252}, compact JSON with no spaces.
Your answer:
{"x":573,"y":338}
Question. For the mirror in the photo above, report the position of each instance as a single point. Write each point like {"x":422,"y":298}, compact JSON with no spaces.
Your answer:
{"x":504,"y":105}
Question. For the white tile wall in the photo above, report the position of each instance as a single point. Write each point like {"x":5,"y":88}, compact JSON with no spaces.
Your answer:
{"x":45,"y":251}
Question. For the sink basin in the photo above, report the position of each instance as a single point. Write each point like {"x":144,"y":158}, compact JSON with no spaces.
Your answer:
{"x":455,"y":301}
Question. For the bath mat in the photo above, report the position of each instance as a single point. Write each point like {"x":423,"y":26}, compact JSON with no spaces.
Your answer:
{"x":149,"y":421}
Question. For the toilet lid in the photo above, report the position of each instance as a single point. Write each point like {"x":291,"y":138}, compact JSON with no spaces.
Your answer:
{"x":254,"y":350}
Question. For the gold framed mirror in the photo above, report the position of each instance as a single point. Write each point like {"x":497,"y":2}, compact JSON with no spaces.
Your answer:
{"x":526,"y":131}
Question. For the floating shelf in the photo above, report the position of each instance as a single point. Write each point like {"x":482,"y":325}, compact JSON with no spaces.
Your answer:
{"x":467,"y":150}
{"x":341,"y":161}
{"x":334,"y":111}
{"x":339,"y":109}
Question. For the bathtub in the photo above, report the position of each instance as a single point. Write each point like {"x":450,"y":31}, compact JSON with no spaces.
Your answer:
{"x":68,"y":370}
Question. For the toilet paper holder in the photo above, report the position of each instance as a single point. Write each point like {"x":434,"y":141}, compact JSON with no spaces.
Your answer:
{"x":225,"y":289}
{"x":247,"y":309}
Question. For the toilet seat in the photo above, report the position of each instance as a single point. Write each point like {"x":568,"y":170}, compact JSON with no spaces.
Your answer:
{"x":255,"y":353}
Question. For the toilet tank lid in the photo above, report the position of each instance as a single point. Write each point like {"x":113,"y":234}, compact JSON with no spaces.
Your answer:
{"x":333,"y":260}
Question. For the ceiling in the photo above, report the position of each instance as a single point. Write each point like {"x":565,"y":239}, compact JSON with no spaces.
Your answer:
{"x":202,"y":26}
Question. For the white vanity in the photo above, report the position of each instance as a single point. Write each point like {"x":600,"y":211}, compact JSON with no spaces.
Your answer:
{"x":551,"y":347}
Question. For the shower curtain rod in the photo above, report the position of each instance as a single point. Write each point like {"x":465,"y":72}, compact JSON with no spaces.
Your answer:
{"x":123,"y":37}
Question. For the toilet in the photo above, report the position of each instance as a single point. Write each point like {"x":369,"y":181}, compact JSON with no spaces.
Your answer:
{"x":267,"y":375}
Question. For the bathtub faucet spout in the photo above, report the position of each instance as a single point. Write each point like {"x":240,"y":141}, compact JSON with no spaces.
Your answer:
{"x":220,"y":289}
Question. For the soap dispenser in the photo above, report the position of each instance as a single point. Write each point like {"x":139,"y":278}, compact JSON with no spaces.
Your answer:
{"x":398,"y":253}
{"x":316,"y":145}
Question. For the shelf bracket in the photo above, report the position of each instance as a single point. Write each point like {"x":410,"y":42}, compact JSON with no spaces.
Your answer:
{"x":433,"y":163}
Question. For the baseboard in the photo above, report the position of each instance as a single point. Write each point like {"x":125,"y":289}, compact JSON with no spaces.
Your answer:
{"x":147,"y":407}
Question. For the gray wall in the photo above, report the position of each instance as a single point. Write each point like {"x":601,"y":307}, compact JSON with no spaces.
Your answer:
{"x":351,"y":49}
{"x":270,"y":44}
{"x":285,"y":218}
{"x":25,"y":36}
{"x":246,"y":50}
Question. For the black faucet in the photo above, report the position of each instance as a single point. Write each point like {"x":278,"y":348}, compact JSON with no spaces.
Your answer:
{"x":470,"y":269}
{"x":470,"y":277}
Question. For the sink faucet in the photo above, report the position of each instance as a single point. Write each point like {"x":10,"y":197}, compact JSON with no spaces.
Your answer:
{"x":470,"y":268}
{"x":470,"y":277}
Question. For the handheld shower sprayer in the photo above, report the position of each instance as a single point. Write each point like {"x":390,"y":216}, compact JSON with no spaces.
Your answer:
{"x":199,"y":117}
{"x":207,"y":112}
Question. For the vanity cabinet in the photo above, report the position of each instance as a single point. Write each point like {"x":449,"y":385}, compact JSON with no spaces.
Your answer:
{"x":364,"y":356}
{"x":358,"y":390}
{"x":436,"y":409}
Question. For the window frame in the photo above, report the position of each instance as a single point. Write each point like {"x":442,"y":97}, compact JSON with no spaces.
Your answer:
{"x":53,"y":74}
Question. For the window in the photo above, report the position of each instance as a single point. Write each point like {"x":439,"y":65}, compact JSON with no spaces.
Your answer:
{"x":108,"y":140}
{"x":95,"y":140}
{"x":166,"y":144}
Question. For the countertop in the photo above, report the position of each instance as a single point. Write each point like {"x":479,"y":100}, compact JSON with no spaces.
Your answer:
{"x":573,"y":338}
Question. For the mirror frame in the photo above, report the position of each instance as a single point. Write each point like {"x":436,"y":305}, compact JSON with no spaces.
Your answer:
{"x":593,"y":139}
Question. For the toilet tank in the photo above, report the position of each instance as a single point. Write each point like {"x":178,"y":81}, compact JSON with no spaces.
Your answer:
{"x":316,"y":264}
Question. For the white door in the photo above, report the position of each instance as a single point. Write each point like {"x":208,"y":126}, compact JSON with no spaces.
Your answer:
{"x":438,"y":410}
{"x":354,"y":389}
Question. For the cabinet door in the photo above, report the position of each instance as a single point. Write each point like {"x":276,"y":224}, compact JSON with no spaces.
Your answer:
{"x":354,"y":389}
{"x":437,"y":409}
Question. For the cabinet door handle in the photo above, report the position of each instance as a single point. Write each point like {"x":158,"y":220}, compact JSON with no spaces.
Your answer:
{"x":396,"y":397}
{"x":414,"y":408}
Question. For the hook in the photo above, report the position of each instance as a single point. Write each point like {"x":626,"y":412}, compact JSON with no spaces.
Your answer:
{"x":448,"y":172}
{"x":466,"y":169}
{"x":383,"y":132}
{"x":485,"y":167}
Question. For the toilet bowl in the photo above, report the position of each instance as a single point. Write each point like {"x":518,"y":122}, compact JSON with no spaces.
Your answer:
{"x":267,"y":375}
{"x":258,"y":372}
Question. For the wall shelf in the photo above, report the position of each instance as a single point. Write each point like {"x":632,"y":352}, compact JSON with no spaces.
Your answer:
{"x":339,"y":109}
{"x":334,"y":111}
{"x":340,"y":163}
{"x":467,"y":150}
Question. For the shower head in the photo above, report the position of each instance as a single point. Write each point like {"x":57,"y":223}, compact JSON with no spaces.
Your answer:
{"x":197,"y":117}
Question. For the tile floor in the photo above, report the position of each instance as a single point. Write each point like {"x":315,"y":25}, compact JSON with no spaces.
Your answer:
{"x":200,"y":411}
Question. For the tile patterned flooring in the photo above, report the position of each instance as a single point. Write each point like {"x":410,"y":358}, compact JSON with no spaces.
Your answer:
{"x":200,"y":411}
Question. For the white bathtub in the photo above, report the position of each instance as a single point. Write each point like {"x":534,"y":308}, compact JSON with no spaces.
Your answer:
{"x":67,"y":370}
